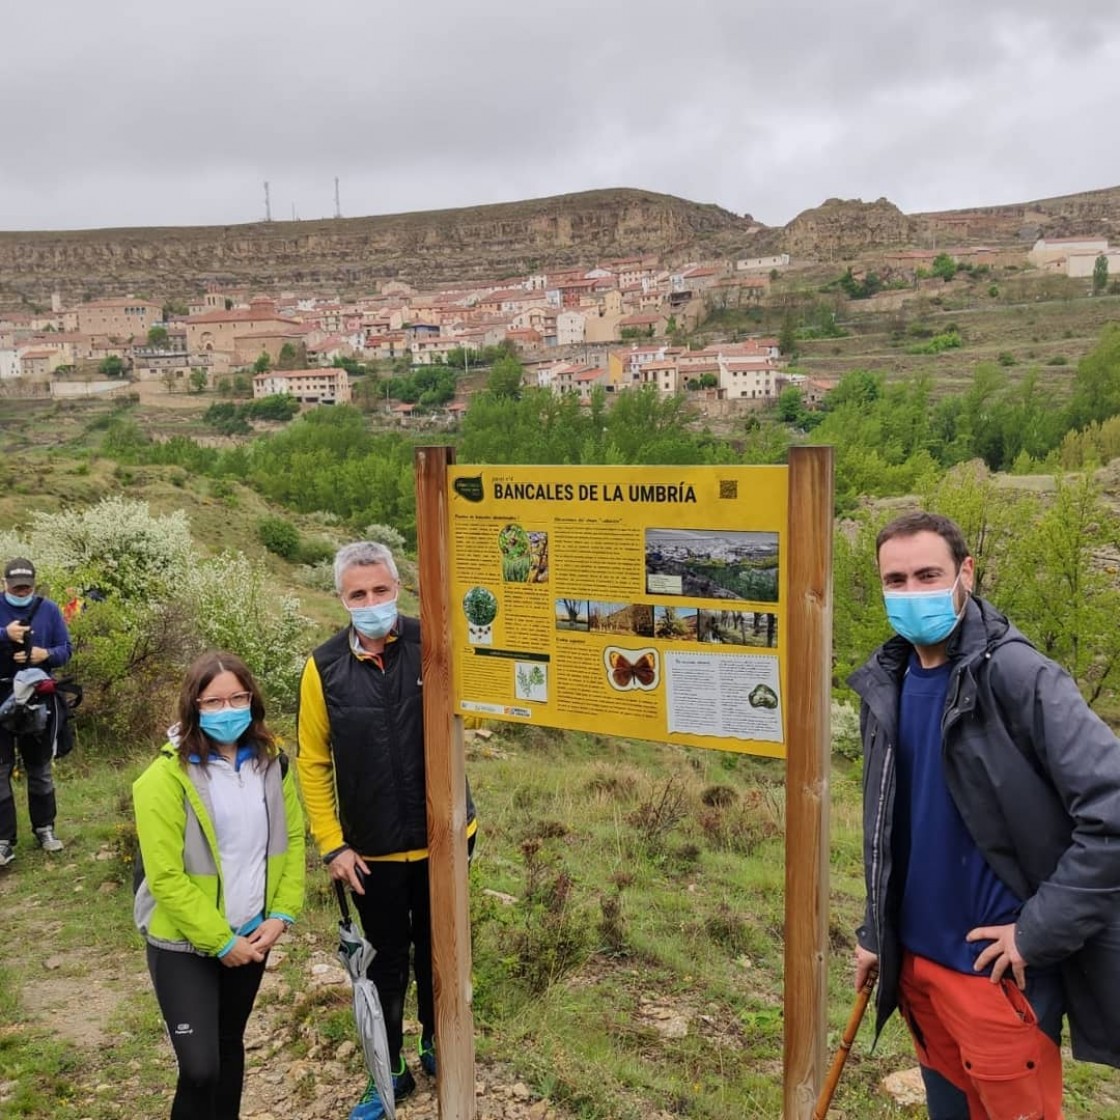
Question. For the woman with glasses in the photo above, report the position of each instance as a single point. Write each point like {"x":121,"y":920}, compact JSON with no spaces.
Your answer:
{"x":221,"y":839}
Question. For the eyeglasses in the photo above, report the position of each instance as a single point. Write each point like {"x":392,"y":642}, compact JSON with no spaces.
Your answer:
{"x":217,"y":703}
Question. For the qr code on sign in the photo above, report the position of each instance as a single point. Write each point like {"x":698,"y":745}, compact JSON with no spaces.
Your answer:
{"x":728,"y":487}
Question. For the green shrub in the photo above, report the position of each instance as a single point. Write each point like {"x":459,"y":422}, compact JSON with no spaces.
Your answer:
{"x":315,"y":552}
{"x":950,"y":340}
{"x":552,"y":936}
{"x":280,"y":537}
{"x":278,"y":406}
{"x":129,"y":657}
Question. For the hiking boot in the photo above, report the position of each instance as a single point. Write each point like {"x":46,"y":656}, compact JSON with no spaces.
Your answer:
{"x":427,"y":1050}
{"x":47,"y":840}
{"x":7,"y":853}
{"x":370,"y":1106}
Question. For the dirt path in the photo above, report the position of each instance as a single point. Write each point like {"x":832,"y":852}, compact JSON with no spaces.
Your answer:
{"x":292,"y":1073}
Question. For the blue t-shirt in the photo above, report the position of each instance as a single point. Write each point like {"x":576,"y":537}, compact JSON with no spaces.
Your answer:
{"x":949,"y":887}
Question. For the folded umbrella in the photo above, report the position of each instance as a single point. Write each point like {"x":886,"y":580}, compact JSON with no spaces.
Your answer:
{"x":356,"y":954}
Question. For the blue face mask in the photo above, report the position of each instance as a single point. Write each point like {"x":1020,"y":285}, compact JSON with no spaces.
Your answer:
{"x":226,"y":726}
{"x":375,"y":621}
{"x":19,"y":600}
{"x":923,"y":618}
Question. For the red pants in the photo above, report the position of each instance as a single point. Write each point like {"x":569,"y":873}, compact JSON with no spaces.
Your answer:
{"x":984,"y":1039}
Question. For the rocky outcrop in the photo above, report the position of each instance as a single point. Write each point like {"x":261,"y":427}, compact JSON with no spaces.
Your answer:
{"x":350,"y":254}
{"x":843,"y":228}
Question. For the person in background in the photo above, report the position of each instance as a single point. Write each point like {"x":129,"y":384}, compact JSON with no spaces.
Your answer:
{"x":33,"y":634}
{"x":991,"y":835}
{"x":221,"y":839}
{"x":360,"y":741}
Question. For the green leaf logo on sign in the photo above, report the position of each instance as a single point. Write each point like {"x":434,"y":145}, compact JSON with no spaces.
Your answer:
{"x":469,"y":488}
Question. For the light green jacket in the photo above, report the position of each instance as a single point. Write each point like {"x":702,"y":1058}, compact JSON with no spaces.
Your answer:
{"x":179,"y":905}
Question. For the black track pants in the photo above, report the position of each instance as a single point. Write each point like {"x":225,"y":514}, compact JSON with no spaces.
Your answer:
{"x":205,"y":1006}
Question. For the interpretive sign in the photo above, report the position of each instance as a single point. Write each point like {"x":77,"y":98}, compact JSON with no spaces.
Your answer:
{"x":641,"y":602}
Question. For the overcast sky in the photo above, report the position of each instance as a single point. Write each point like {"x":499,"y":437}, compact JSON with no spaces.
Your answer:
{"x":129,"y":112}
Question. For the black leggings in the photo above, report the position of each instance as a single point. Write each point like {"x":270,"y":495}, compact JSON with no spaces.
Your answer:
{"x":205,"y":1006}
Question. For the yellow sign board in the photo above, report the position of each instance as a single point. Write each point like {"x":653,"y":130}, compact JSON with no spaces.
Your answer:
{"x":640,"y":602}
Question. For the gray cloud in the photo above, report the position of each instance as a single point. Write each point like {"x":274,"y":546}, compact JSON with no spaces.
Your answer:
{"x":128,"y":113}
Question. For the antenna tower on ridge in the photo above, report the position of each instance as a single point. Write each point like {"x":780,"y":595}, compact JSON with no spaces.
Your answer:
{"x":337,"y":204}
{"x":267,"y":203}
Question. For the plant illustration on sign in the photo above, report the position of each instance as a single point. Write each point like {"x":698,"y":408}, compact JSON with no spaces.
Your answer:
{"x":524,"y":555}
{"x":531,"y":682}
{"x":481,"y":608}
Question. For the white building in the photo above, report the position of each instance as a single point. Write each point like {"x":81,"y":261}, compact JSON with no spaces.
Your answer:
{"x":739,"y":380}
{"x":571,"y":328}
{"x":1083,"y":264}
{"x":1050,"y":251}
{"x":762,"y":264}
{"x":311,"y":386}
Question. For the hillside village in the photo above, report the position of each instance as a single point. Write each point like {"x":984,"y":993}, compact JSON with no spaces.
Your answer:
{"x":618,"y":325}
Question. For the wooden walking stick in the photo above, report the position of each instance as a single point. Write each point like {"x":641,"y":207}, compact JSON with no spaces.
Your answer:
{"x":850,"y":1031}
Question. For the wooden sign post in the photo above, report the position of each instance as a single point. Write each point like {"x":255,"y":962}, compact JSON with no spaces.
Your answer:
{"x":447,"y":800}
{"x":808,"y":756}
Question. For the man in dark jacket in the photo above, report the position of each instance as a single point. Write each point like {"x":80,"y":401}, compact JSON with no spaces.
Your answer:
{"x":32,"y":636}
{"x":360,"y":738}
{"x":991,"y":841}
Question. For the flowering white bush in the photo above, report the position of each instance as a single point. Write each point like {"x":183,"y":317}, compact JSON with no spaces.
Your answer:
{"x":319,"y":576}
{"x":386,"y":535}
{"x":117,"y":545}
{"x":162,"y":605}
{"x":237,"y":608}
{"x":11,"y":545}
{"x":845,"y":730}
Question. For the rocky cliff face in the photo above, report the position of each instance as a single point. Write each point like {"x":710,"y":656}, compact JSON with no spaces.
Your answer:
{"x":350,"y":254}
{"x":844,"y":228}
{"x":1091,"y":213}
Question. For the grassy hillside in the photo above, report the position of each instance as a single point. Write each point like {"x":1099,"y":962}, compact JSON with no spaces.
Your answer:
{"x":626,"y":901}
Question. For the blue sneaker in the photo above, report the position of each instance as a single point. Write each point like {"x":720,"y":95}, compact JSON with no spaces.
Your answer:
{"x":427,"y":1050}
{"x":370,"y":1107}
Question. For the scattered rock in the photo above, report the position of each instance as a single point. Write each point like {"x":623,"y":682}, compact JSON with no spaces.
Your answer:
{"x":53,"y":963}
{"x":669,"y":1022}
{"x":327,"y":976}
{"x":905,"y":1087}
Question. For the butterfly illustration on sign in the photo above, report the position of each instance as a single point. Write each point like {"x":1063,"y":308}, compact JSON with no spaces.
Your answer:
{"x":628,"y":669}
